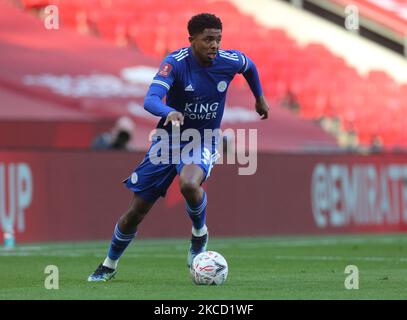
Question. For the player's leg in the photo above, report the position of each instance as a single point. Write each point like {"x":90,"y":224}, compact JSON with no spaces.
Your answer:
{"x":192,"y":175}
{"x":136,"y":212}
{"x":126,"y":229}
{"x":191,"y":178}
{"x":148,"y":182}
{"x":124,"y":232}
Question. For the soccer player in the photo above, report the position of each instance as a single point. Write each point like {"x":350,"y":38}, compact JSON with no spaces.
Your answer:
{"x":195,"y":81}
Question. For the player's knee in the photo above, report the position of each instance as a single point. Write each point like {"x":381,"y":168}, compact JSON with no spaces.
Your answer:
{"x":136,"y":213}
{"x":133,"y":217}
{"x":188,"y":186}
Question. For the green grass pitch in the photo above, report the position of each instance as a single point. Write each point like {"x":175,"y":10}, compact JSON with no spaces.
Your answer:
{"x":311,"y":267}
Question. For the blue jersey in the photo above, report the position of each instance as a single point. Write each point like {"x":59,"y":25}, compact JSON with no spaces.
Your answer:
{"x":196,"y":91}
{"x":199,"y":93}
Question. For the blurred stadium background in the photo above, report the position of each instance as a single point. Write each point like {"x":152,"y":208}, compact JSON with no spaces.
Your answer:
{"x":332,"y":157}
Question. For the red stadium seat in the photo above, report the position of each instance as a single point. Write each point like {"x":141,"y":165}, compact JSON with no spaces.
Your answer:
{"x":36,"y":3}
{"x":324,"y":84}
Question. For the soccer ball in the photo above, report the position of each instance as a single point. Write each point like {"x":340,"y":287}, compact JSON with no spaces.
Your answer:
{"x":209,"y":268}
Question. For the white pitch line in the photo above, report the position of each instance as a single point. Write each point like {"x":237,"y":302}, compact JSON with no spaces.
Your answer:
{"x":322,"y":242}
{"x":145,"y":245}
{"x":83,"y":254}
{"x":336,"y":258}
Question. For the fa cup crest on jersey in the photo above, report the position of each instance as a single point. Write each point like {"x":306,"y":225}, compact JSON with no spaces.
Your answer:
{"x":222,"y":85}
{"x":165,"y":70}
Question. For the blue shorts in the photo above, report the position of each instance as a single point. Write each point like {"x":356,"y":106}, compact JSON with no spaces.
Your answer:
{"x":150,"y":180}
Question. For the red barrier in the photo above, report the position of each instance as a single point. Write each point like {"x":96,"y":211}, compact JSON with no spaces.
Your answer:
{"x":49,"y":196}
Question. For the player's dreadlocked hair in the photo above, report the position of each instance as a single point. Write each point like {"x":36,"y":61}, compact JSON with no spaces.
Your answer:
{"x":202,"y":21}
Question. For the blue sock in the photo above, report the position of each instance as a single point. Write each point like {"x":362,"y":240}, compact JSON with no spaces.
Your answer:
{"x":119,"y":243}
{"x":198,"y":213}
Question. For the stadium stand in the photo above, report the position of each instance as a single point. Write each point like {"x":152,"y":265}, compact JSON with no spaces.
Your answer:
{"x":384,"y":22}
{"x":98,"y":82}
{"x":359,"y":89}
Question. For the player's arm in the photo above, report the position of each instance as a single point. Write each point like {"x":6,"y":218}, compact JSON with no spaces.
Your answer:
{"x":251,"y":75}
{"x":153,"y":101}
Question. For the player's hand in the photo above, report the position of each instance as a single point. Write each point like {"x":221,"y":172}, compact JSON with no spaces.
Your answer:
{"x":262,"y":107}
{"x":176,"y":118}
